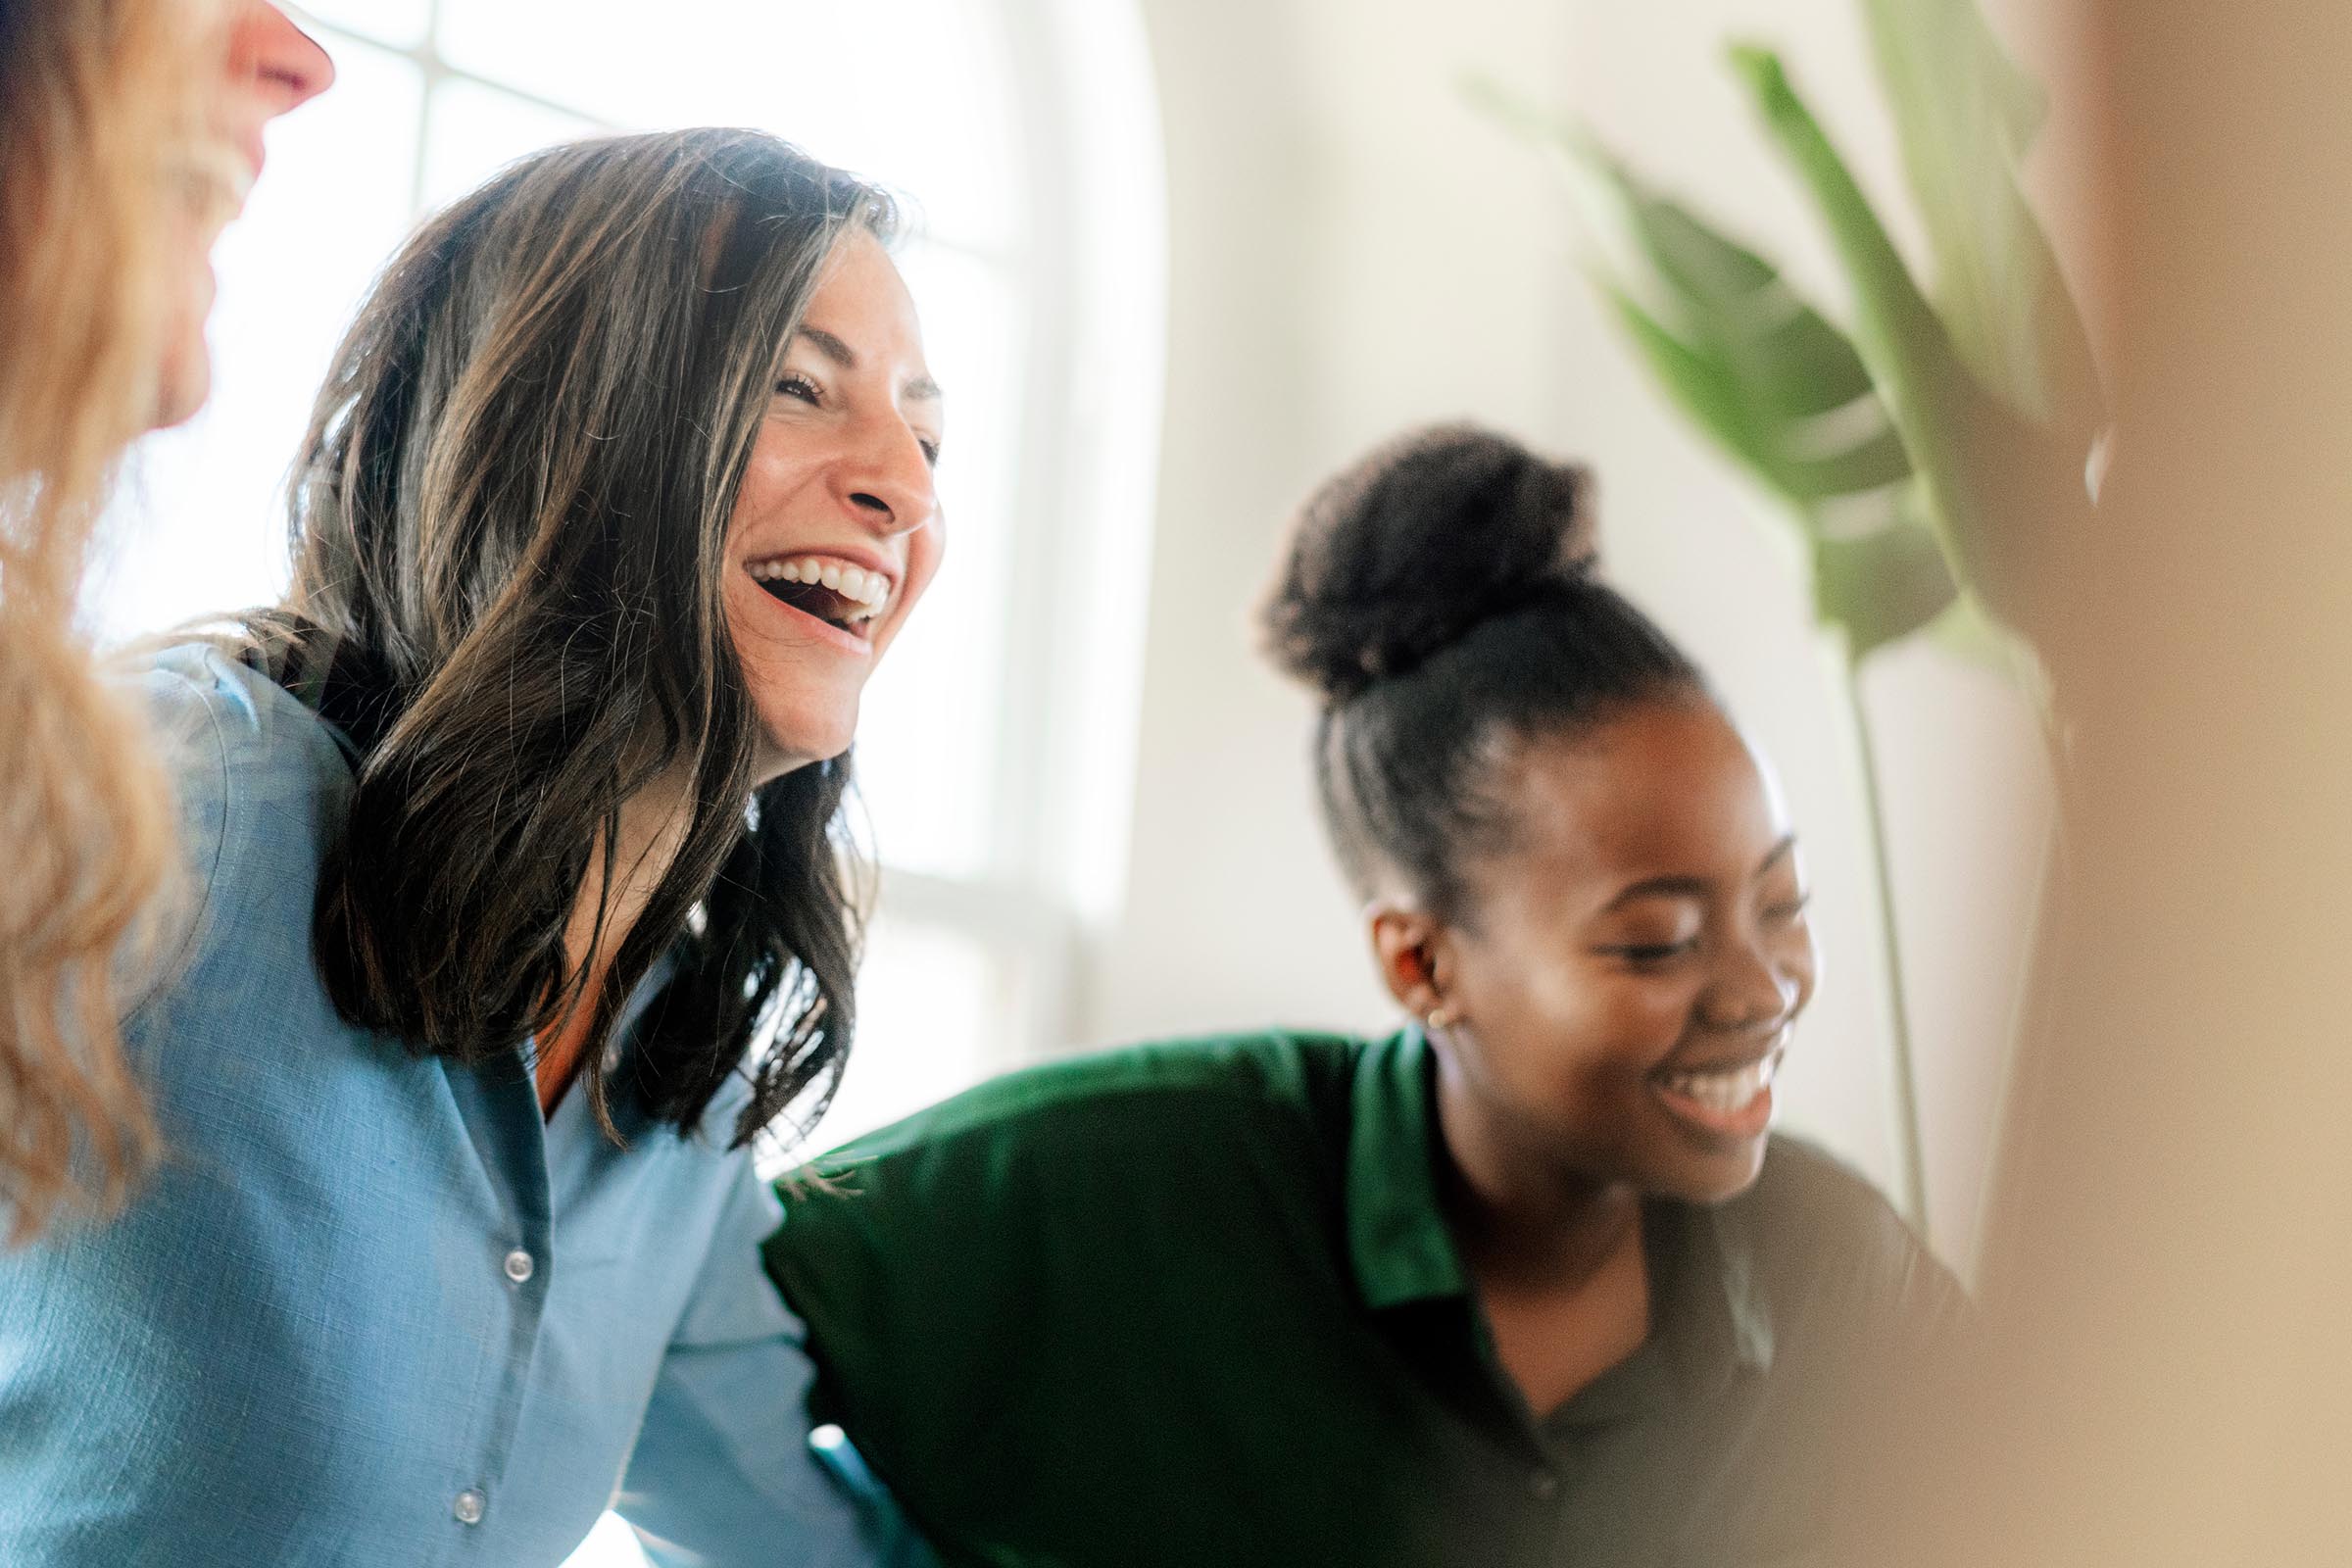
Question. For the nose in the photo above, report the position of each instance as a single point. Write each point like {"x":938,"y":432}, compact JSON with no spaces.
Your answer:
{"x":886,"y":480}
{"x":1751,"y":991}
{"x":275,"y":60}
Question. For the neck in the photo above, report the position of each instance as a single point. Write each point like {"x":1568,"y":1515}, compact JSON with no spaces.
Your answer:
{"x":1523,"y":1220}
{"x":653,"y":825}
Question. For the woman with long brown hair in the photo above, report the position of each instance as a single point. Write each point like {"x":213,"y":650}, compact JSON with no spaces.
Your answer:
{"x":519,"y":908}
{"x":119,"y":163}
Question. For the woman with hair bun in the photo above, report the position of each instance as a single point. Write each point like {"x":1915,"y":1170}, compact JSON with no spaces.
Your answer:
{"x":1527,"y":1282}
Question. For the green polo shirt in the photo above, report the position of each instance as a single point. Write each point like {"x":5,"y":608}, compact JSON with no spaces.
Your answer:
{"x":1195,"y":1305}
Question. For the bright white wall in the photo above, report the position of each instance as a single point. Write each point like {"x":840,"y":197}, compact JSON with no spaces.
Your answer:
{"x":1352,"y":251}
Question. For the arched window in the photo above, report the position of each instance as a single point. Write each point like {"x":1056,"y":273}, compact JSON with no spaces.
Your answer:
{"x":1022,"y":134}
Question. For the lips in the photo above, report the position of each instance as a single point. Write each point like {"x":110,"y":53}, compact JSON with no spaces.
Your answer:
{"x":841,"y":594}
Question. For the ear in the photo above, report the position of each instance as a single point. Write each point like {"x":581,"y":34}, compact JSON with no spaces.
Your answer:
{"x":1410,"y":947}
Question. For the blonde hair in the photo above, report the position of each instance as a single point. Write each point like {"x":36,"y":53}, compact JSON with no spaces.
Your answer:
{"x":94,"y":97}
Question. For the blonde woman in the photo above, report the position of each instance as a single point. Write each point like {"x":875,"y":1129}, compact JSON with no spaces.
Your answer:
{"x":129,"y":132}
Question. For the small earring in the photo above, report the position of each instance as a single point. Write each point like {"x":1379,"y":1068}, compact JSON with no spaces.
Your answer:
{"x":1443,"y":1016}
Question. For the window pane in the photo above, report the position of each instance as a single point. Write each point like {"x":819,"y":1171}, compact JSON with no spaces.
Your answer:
{"x":473,"y":130}
{"x":930,"y":1003}
{"x":926,"y":737}
{"x":398,"y":23}
{"x":198,"y":528}
{"x":911,"y":92}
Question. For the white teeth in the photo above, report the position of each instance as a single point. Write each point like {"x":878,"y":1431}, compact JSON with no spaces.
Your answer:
{"x":1729,"y":1090}
{"x":867,"y":592}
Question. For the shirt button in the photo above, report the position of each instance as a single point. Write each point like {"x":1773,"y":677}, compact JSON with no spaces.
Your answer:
{"x":469,"y":1507}
{"x":1542,"y":1485}
{"x":518,"y":1265}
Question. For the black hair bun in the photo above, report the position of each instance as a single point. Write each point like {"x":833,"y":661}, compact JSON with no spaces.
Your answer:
{"x":1410,"y":548}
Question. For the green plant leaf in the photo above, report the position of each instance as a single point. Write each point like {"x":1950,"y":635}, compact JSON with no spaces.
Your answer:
{"x":1724,"y":298}
{"x":1780,"y":388}
{"x":1997,"y":483}
{"x":1881,"y":586}
{"x":1875,"y":585}
{"x":1759,"y":368}
{"x":1965,"y":117}
{"x":1706,"y":389}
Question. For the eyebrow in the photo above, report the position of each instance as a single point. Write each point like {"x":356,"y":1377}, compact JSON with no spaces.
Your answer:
{"x":919,"y":388}
{"x":1694,"y":887}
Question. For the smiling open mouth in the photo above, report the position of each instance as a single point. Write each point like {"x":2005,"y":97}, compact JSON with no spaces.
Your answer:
{"x":1733,"y":1100}
{"x":843,"y":597}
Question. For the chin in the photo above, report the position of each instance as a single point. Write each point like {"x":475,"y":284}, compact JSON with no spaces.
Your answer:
{"x":1716,"y":1178}
{"x":182,"y":393}
{"x":184,"y":378}
{"x":794,"y":741}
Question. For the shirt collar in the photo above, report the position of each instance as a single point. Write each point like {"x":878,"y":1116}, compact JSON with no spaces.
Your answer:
{"x":1712,"y":1315}
{"x":1711,"y":1312}
{"x":1397,"y":1239}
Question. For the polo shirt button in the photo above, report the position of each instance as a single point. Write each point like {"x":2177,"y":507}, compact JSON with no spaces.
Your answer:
{"x":469,"y":1507}
{"x":519,"y":1265}
{"x":1543,"y":1486}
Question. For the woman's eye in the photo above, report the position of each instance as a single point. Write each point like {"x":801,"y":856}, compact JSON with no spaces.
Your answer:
{"x":793,"y":384}
{"x":1788,"y":910}
{"x":1650,"y":954}
{"x":930,"y":451}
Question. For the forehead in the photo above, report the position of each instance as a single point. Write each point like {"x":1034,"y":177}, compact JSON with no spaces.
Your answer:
{"x":859,"y":291}
{"x":1664,"y":789}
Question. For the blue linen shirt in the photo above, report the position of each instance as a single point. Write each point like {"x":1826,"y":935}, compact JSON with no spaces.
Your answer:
{"x":375,"y":1309}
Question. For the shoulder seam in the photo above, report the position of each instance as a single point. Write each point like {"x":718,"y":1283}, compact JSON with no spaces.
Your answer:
{"x":1205,"y":1086}
{"x":191,"y":938}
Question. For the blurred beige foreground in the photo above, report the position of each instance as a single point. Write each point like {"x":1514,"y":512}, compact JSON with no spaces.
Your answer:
{"x":2167,"y":1273}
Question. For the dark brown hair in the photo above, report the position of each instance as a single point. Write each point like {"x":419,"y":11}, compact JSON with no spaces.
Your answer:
{"x":1439,"y":593}
{"x":510,"y":523}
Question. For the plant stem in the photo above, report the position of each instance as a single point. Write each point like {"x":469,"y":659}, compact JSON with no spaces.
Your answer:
{"x":2029,"y":1032}
{"x":1899,"y":1011}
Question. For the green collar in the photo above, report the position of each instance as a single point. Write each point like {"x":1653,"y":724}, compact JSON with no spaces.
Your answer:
{"x":1712,"y":1313}
{"x":1396,"y":1235}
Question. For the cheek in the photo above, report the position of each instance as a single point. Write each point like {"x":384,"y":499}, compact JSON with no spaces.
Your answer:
{"x":744,"y":622}
{"x":767,"y":480}
{"x":924,"y":551}
{"x":1579,"y":1029}
{"x":1800,"y":963}
{"x":1603,"y":1002}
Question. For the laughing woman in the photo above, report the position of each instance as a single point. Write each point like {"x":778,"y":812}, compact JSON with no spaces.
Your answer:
{"x":519,"y":908}
{"x":1527,"y":1283}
